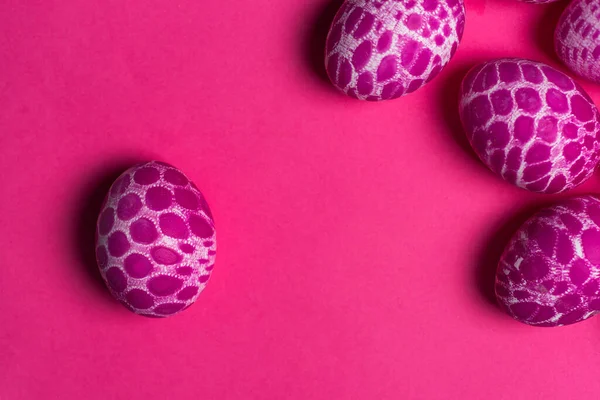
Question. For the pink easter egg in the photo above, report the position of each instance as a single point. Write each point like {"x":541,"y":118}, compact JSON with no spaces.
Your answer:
{"x":549,"y":274}
{"x":155,"y":240}
{"x":577,"y":38}
{"x":381,"y":49}
{"x":531,"y":124}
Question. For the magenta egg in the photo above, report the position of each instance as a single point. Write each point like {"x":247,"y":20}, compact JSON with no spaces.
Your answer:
{"x":531,"y":124}
{"x":577,"y":38}
{"x":155,"y":240}
{"x":549,"y":274}
{"x":380,"y":49}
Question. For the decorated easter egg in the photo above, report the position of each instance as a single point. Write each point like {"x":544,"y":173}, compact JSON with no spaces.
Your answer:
{"x":155,"y":240}
{"x":577,"y":38}
{"x":384,"y":49}
{"x":549,"y":274}
{"x":531,"y":124}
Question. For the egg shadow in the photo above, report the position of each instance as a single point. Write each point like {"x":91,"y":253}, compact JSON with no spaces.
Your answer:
{"x":90,"y":201}
{"x":448,"y":98}
{"x":493,"y":247}
{"x":543,"y":30}
{"x":316,"y":36}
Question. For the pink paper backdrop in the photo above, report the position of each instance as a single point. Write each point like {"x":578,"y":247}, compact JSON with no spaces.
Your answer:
{"x":358,"y":241}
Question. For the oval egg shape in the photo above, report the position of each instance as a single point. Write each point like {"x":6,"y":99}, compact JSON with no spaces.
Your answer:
{"x":381,"y":49}
{"x":531,"y":124}
{"x":577,"y":38}
{"x":155,"y":240}
{"x":549,"y":274}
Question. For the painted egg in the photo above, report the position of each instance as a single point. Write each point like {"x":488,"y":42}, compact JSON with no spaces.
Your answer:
{"x":155,"y":240}
{"x":382,"y":49}
{"x":549,"y":274}
{"x":531,"y":124}
{"x":577,"y":38}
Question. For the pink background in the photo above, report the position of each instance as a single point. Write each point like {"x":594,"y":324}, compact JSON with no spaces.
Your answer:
{"x":357,"y":241}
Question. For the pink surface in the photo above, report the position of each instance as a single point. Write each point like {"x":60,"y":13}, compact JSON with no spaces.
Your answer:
{"x":357,"y":241}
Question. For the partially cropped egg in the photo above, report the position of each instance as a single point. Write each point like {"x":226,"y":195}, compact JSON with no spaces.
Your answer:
{"x":577,"y":38}
{"x":549,"y":274}
{"x":384,"y":49}
{"x":531,"y":124}
{"x":155,"y":240}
